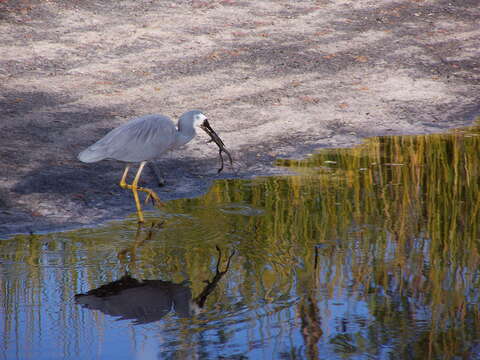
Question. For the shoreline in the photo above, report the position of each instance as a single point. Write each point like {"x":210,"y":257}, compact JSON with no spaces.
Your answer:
{"x":202,"y":185}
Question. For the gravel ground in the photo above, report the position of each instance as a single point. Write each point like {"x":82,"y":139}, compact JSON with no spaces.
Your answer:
{"x":276,"y":78}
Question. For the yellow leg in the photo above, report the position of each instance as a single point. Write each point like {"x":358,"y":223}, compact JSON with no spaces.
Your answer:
{"x":150,"y":193}
{"x":134,"y":187}
{"x":123,"y":183}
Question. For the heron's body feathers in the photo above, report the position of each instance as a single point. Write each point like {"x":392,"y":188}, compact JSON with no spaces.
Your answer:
{"x":141,"y":139}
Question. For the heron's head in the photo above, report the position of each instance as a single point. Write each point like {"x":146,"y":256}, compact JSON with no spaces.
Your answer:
{"x":199,"y":119}
{"x":196,"y":119}
{"x":191,"y":120}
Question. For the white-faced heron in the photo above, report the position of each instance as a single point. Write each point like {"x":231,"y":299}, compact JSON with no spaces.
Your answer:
{"x":146,"y":138}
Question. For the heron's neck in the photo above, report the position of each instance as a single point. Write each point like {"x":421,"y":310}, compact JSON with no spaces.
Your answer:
{"x":184,"y":136}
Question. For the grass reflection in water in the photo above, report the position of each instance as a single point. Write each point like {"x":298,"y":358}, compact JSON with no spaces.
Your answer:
{"x":369,"y":252}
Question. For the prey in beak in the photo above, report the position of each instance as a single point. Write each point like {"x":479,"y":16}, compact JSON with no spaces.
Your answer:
{"x":205,"y":126}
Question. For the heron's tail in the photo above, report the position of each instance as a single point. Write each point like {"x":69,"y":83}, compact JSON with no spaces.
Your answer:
{"x":90,"y":155}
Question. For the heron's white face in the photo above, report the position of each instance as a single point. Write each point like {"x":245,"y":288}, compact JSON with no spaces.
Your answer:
{"x":198,"y":119}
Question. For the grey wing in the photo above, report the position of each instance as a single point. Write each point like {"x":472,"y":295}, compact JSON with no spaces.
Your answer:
{"x":141,"y":139}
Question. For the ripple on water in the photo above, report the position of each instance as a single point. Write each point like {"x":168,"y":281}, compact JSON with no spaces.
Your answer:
{"x":335,"y":266}
{"x":179,"y":230}
{"x":240,"y":209}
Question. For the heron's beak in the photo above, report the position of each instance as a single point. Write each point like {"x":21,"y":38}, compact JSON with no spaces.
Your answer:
{"x":215,"y":138}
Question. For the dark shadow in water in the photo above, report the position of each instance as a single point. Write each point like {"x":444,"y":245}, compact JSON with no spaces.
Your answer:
{"x":146,"y":301}
{"x":311,"y":323}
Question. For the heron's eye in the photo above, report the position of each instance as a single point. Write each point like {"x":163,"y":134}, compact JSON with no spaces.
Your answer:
{"x":197,"y":120}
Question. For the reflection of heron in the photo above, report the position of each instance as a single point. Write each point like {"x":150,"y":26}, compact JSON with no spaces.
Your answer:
{"x":146,"y":138}
{"x":146,"y":301}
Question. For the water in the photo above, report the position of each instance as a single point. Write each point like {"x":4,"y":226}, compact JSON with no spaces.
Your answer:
{"x":369,"y":253}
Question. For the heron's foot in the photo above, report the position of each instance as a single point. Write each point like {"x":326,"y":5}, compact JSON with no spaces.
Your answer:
{"x":161,"y":182}
{"x":152,"y":195}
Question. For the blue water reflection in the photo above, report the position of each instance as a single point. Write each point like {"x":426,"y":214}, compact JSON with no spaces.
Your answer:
{"x":355,"y":258}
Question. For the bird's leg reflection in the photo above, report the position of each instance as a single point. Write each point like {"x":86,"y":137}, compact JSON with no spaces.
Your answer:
{"x":132,"y":250}
{"x":202,"y":297}
{"x":135,"y":188}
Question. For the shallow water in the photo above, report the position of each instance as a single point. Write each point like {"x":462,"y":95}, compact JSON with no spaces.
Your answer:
{"x":369,"y":253}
